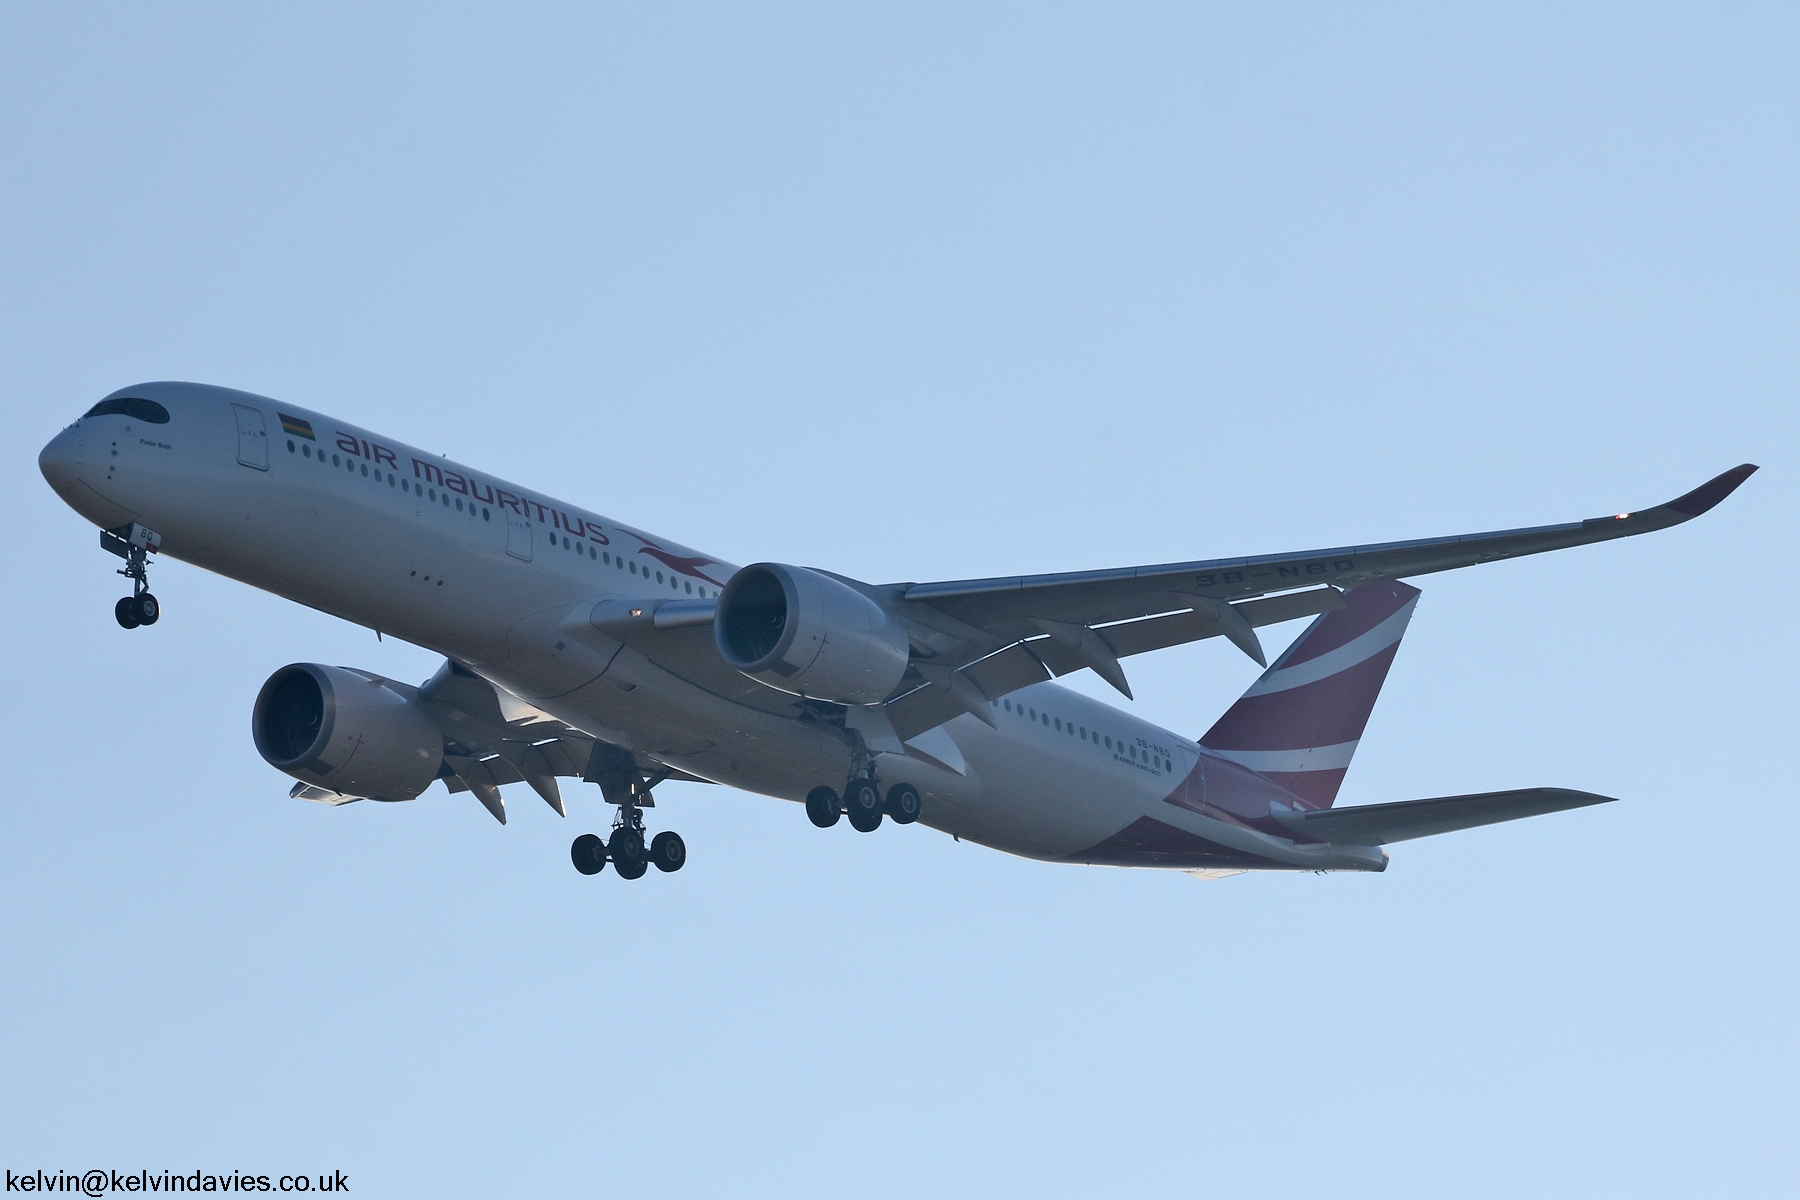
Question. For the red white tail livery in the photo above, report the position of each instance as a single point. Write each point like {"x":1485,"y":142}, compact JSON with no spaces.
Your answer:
{"x":1299,"y":724}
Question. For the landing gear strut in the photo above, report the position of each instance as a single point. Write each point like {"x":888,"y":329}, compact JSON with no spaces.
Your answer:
{"x":623,"y":784}
{"x":135,"y":545}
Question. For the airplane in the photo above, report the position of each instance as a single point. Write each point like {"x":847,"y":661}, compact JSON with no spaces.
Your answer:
{"x":578,"y":647}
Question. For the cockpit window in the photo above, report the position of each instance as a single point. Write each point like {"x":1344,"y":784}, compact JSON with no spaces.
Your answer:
{"x":148,"y":411}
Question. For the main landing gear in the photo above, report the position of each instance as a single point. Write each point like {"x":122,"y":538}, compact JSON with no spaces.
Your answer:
{"x":616,"y":771}
{"x":134,"y":544}
{"x":626,"y":851}
{"x":863,"y":804}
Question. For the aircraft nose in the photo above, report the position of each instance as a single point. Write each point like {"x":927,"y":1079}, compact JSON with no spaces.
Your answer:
{"x":61,"y":461}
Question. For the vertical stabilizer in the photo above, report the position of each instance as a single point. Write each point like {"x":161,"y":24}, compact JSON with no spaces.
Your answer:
{"x":1300,"y":723}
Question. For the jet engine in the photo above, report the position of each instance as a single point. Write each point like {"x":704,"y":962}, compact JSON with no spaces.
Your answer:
{"x":804,"y":632}
{"x":347,"y":732}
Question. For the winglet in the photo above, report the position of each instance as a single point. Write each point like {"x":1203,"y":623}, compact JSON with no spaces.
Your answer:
{"x":1708,"y":494}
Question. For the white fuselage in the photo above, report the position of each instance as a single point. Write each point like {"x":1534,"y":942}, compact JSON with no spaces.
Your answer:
{"x":501,"y":579}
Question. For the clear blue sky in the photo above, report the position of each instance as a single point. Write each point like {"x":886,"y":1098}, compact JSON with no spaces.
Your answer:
{"x":927,"y":293}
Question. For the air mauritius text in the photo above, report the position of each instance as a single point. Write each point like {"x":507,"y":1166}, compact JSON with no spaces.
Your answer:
{"x":467,"y":485}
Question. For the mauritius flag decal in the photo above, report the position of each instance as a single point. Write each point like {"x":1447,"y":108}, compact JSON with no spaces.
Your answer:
{"x":295,"y":427}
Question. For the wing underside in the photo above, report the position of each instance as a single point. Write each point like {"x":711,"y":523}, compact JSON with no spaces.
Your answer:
{"x":492,"y":738}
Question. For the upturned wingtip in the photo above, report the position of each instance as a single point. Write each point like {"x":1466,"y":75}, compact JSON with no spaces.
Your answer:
{"x":1708,"y":494}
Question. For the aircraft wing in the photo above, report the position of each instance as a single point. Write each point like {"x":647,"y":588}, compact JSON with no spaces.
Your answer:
{"x":492,"y":738}
{"x":984,"y":637}
{"x":1099,"y":597}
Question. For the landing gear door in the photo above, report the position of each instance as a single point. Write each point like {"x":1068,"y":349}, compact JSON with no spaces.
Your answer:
{"x":518,"y":535}
{"x":253,"y":437}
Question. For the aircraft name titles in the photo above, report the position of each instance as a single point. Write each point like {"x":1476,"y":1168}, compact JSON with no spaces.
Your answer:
{"x":431,"y":473}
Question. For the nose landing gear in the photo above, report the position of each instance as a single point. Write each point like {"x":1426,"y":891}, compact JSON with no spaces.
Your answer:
{"x":132,"y":611}
{"x":135,"y":545}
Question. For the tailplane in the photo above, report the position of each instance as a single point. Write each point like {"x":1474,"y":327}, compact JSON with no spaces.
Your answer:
{"x":1300,"y":723}
{"x":1382,"y":824}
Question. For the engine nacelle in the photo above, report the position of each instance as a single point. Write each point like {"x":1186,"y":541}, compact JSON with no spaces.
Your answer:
{"x":347,"y":732}
{"x":802,"y":632}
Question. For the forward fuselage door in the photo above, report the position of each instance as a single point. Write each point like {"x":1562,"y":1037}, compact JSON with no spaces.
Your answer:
{"x":253,"y":437}
{"x":518,"y":535}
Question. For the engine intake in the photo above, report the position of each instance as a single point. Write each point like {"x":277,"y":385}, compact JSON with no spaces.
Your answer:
{"x":347,"y":732}
{"x":803,"y":632}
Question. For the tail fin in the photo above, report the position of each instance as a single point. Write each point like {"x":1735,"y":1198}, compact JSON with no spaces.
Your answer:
{"x":1299,"y":724}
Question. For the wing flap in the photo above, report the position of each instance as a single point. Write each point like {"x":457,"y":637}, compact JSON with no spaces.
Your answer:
{"x":1179,"y":628}
{"x":928,"y":707}
{"x":1024,"y":663}
{"x":499,"y":733}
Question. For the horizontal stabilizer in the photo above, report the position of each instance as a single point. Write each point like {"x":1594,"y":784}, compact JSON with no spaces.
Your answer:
{"x":1379,"y":824}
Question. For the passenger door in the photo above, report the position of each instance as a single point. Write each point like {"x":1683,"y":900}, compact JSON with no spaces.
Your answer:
{"x":518,"y":535}
{"x":253,"y":437}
